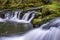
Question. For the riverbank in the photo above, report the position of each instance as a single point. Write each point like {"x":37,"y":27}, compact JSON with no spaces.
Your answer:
{"x":44,"y":12}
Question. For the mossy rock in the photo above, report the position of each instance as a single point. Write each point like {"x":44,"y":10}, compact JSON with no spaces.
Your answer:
{"x":47,"y":13}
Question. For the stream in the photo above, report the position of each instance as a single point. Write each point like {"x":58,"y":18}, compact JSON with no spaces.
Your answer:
{"x":15,"y":27}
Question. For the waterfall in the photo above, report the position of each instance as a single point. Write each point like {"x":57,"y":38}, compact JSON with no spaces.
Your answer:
{"x":53,"y":33}
{"x":7,"y":15}
{"x":24,"y":19}
{"x":2,"y":20}
{"x":53,"y":23}
{"x":37,"y":34}
{"x":47,"y":31}
{"x":31,"y":35}
{"x":15,"y":17}
{"x":26,"y":16}
{"x":33,"y":14}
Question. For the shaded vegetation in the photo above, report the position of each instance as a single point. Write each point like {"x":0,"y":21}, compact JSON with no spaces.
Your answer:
{"x":47,"y":13}
{"x":47,"y":9}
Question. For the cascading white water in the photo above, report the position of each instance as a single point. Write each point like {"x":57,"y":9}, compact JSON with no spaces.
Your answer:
{"x":7,"y":15}
{"x":16,"y":17}
{"x":53,"y":23}
{"x":2,"y":20}
{"x":24,"y":18}
{"x":37,"y":34}
{"x":53,"y":33}
{"x":13,"y":20}
{"x":32,"y":16}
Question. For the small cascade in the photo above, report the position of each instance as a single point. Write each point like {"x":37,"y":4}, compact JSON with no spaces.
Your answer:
{"x":15,"y":17}
{"x":37,"y":34}
{"x":2,"y":20}
{"x":12,"y":20}
{"x":7,"y":16}
{"x":19,"y":14}
{"x":53,"y":23}
{"x":32,"y":16}
{"x":26,"y":16}
{"x":53,"y":33}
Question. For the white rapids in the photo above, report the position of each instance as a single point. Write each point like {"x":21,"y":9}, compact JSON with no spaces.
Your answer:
{"x":53,"y":33}
{"x":48,"y":31}
{"x":37,"y":34}
{"x":16,"y":17}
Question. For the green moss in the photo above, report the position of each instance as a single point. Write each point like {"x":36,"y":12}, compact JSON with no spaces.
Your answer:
{"x":47,"y":13}
{"x":40,"y":20}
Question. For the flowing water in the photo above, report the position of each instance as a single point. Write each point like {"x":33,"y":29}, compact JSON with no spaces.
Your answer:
{"x":37,"y":34}
{"x":16,"y":17}
{"x":12,"y":23}
{"x":53,"y":23}
{"x":48,"y":31}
